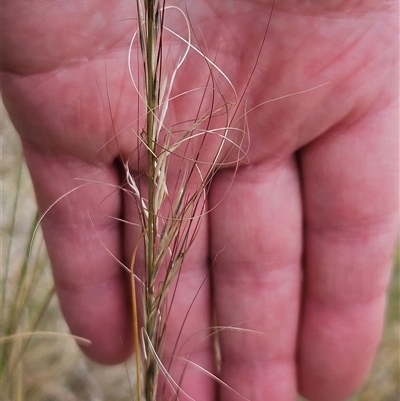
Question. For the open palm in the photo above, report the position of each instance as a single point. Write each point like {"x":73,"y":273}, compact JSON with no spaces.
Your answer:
{"x":300,"y":245}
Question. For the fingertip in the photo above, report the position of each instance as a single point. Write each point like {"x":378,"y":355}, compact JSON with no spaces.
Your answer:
{"x":100,"y":314}
{"x":108,"y":352}
{"x":337,"y":348}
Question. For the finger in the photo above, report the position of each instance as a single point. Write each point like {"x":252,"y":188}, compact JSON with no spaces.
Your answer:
{"x":256,"y":245}
{"x":350,"y":189}
{"x":84,"y":240}
{"x":187,"y":352}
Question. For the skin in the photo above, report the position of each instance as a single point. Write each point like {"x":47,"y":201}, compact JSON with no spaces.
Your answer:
{"x":300,"y":246}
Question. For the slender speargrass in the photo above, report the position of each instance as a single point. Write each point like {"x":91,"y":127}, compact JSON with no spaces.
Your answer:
{"x":170,"y":212}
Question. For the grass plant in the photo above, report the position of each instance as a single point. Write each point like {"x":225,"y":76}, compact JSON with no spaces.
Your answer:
{"x":170,"y":212}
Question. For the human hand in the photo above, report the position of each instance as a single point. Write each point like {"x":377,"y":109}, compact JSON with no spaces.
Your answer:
{"x":301,"y":243}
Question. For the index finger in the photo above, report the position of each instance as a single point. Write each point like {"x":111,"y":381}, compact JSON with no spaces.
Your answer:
{"x":83,"y":238}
